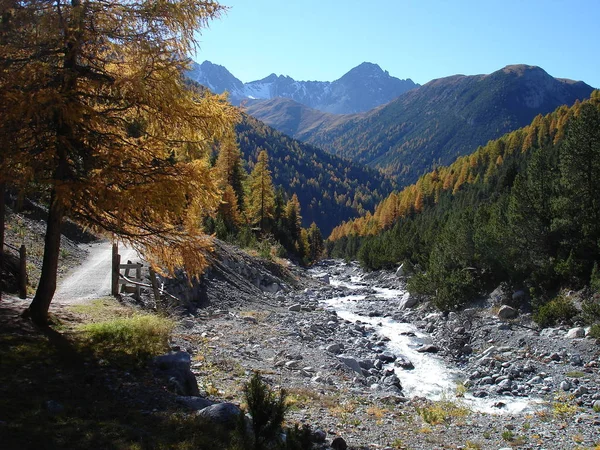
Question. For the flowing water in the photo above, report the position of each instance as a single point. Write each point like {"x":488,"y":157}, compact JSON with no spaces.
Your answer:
{"x":432,"y":377}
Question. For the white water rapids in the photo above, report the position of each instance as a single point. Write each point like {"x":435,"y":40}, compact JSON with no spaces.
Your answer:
{"x":432,"y":377}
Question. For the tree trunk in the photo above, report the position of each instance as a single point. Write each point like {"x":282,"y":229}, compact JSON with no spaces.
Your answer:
{"x":38,"y":310}
{"x":2,"y":214}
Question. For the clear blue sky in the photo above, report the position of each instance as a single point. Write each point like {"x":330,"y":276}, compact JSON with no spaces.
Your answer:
{"x":418,"y":39}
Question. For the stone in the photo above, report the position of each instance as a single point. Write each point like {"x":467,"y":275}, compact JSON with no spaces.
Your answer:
{"x":386,"y":357}
{"x":323,"y":278}
{"x":428,"y":348}
{"x":400,"y":271}
{"x":319,"y":436}
{"x":408,"y":301}
{"x":581,"y":390}
{"x":507,"y":312}
{"x":352,"y":363}
{"x":404,"y":363}
{"x":334,"y":348}
{"x":222,"y":414}
{"x":54,"y":408}
{"x":339,"y":444}
{"x":194,"y":403}
{"x":176,"y":369}
{"x":576,"y":333}
{"x":292,"y":364}
{"x":519,"y":297}
{"x":565,"y":386}
{"x":576,"y":360}
{"x":295,"y":308}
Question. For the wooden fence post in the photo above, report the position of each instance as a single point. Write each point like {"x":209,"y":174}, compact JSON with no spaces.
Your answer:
{"x":138,"y":278}
{"x":116,"y":260}
{"x":23,"y":272}
{"x":154,"y":284}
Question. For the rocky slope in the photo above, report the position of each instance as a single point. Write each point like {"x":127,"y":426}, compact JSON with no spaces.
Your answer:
{"x":361,"y":89}
{"x":344,"y":380}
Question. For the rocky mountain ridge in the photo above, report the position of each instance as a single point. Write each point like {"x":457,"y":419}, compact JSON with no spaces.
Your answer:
{"x":361,"y":89}
{"x":434,"y":124}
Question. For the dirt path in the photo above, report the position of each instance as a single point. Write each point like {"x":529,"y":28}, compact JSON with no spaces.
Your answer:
{"x":91,"y":279}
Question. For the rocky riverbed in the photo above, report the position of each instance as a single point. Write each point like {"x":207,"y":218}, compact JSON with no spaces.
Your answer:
{"x":464,"y":380}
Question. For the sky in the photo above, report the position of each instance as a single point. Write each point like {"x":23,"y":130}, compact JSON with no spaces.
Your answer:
{"x":418,"y":39}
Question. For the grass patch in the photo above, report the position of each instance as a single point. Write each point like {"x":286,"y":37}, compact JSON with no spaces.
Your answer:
{"x":100,"y":406}
{"x":575,"y":374}
{"x":134,"y":338}
{"x":442,"y":411}
{"x":561,"y":408}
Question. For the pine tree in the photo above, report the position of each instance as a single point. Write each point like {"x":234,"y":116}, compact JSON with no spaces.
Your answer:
{"x":98,"y":113}
{"x":315,"y":243}
{"x":261,"y":196}
{"x":229,"y":168}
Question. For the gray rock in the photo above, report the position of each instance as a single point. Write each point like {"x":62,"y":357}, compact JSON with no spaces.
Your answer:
{"x":519,"y":297}
{"x":576,"y":333}
{"x":428,"y":348}
{"x":408,"y":301}
{"x":295,"y":308}
{"x":194,"y":403}
{"x":54,"y":408}
{"x":334,"y":348}
{"x":386,"y":357}
{"x":400,"y":271}
{"x":507,"y":312}
{"x":351,"y":363}
{"x":404,"y":363}
{"x":176,"y":369}
{"x":222,"y":414}
{"x":581,"y":390}
{"x":319,"y":436}
{"x":565,"y":386}
{"x":323,"y":278}
{"x":576,"y":360}
{"x":339,"y":444}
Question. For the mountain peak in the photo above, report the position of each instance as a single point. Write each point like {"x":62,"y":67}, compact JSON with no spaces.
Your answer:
{"x":522,"y":69}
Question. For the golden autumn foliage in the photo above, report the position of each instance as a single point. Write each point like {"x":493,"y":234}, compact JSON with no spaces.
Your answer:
{"x":96,"y":111}
{"x":465,"y":170}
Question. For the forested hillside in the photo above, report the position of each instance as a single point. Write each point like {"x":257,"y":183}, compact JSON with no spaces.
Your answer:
{"x":330,"y":189}
{"x":524,"y":209}
{"x":436,"y":123}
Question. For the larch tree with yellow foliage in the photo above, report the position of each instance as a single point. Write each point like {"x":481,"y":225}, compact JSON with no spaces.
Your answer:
{"x":96,"y":112}
{"x":261,"y":195}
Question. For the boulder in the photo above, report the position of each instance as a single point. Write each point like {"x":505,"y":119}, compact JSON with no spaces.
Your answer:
{"x":576,"y":333}
{"x":339,"y":444}
{"x":386,"y":357}
{"x":334,"y":348}
{"x":194,"y":403}
{"x":221,"y":414}
{"x":176,"y":369}
{"x":351,"y":363}
{"x":400,"y":271}
{"x":408,"y":301}
{"x":295,"y":308}
{"x":428,"y":348}
{"x":323,"y":278}
{"x":507,"y":312}
{"x":404,"y":363}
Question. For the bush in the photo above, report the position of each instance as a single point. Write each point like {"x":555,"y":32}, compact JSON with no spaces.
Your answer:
{"x":558,"y":310}
{"x":267,"y":409}
{"x":131,"y":339}
{"x":595,"y":331}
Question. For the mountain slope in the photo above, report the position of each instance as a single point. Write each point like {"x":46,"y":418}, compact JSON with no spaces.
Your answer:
{"x":293,"y":118}
{"x":361,"y":89}
{"x":446,"y":118}
{"x":330,"y":189}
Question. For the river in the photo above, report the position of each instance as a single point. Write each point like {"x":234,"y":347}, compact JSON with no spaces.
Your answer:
{"x":432,"y":377}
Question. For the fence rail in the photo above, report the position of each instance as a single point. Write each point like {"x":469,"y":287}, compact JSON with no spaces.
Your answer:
{"x":126,"y":281}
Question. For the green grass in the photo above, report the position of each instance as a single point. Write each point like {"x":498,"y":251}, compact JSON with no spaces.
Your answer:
{"x":134,"y":338}
{"x":442,"y":411}
{"x":103,"y":405}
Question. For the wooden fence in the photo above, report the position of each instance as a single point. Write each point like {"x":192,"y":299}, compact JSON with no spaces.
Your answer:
{"x":22,"y":281}
{"x":133,"y":284}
